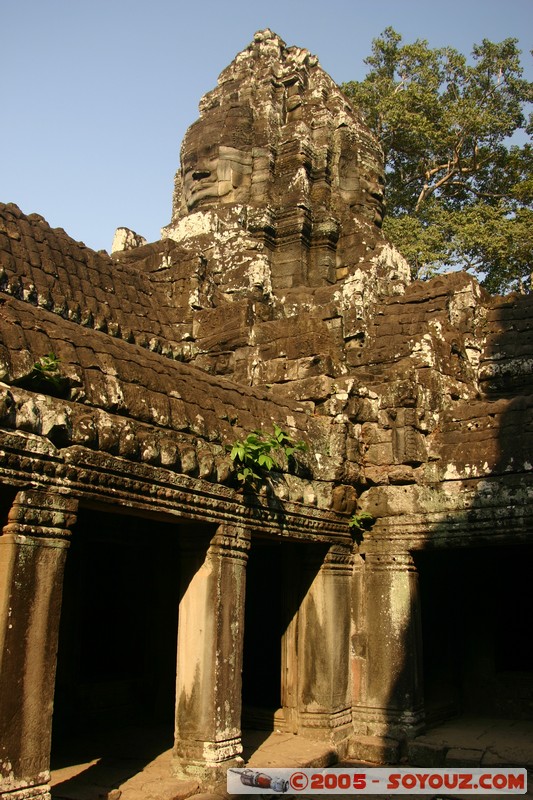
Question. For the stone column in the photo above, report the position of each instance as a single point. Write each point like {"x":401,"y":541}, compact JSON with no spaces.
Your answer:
{"x":358,"y":633}
{"x":33,"y":549}
{"x":324,"y":650}
{"x":210,"y":641}
{"x":391,"y":701}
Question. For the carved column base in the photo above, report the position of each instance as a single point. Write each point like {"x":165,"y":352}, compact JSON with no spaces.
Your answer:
{"x":208,"y":751}
{"x":333,"y":727}
{"x":208,"y":762}
{"x":396,"y":723}
{"x":41,"y":792}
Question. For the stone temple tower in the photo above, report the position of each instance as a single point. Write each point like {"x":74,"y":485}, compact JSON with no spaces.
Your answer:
{"x":280,"y":165}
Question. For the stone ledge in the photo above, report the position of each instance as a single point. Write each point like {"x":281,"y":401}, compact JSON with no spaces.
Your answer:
{"x":463,"y":757}
{"x":376,"y":749}
{"x":426,"y":754}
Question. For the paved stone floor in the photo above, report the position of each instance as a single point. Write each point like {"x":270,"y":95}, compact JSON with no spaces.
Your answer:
{"x":134,"y":764}
{"x":477,"y":741}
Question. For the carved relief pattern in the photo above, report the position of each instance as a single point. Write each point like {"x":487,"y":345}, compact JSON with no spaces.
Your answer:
{"x":41,"y":514}
{"x":231,"y":541}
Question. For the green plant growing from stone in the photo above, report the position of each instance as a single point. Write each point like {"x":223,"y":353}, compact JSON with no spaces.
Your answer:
{"x":257,"y":454}
{"x":361,"y":521}
{"x":46,"y":372}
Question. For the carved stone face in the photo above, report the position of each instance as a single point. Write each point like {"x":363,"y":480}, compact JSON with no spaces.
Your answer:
{"x":214,"y":174}
{"x":265,"y":136}
{"x":373,"y":193}
{"x":216,"y":157}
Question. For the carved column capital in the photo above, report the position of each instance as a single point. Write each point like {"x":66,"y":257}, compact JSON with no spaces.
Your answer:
{"x":390,"y":562}
{"x":339,"y":558}
{"x":231,"y":541}
{"x":41,"y":514}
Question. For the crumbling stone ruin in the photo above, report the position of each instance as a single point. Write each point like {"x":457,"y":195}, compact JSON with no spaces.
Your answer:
{"x":272,"y":297}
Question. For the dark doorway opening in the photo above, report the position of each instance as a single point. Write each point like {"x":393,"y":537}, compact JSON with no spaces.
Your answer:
{"x":476,"y":610}
{"x":264,"y":623}
{"x":7,"y":496}
{"x":117,"y":643}
{"x":278,"y":577}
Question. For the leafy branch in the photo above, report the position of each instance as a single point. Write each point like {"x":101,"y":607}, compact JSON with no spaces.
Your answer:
{"x":258,"y":453}
{"x":361,"y":522}
{"x":456,"y":136}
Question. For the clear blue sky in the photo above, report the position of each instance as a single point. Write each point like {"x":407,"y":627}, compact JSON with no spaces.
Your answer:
{"x":97,"y":94}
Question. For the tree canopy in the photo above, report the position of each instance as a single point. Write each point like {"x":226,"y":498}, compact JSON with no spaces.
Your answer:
{"x":458,"y":156}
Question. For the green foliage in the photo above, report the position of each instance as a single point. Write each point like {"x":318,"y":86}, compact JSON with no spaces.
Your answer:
{"x":459,"y":189}
{"x":258,"y":453}
{"x":46,"y":372}
{"x":362,"y":521}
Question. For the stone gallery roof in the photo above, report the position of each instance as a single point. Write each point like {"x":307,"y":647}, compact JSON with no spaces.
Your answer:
{"x":48,"y":269}
{"x":131,"y":400}
{"x":107,"y":326}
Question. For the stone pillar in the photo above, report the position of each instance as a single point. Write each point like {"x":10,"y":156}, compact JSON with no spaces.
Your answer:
{"x":33,"y":549}
{"x":210,"y":641}
{"x":324,"y":650}
{"x":358,"y":633}
{"x":390,"y":703}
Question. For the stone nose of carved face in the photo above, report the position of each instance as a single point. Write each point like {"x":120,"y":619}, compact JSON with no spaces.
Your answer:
{"x":375,"y":199}
{"x":373,"y":190}
{"x":200,"y":180}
